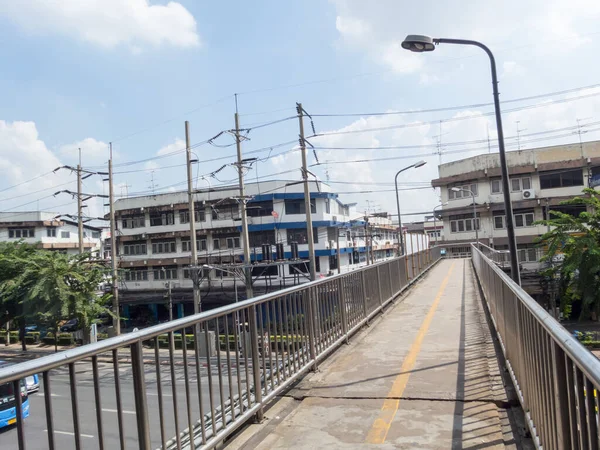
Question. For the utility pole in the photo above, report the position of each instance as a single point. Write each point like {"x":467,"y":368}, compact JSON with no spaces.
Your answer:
{"x":194,"y":256}
{"x":309,"y":227}
{"x":170,"y":301}
{"x":79,"y":206}
{"x":242,"y":203}
{"x":113,"y":251}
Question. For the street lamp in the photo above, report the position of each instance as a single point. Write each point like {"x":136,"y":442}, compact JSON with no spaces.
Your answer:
{"x":400,"y":238}
{"x":419,"y":43}
{"x":457,"y":189}
{"x":434,"y":221}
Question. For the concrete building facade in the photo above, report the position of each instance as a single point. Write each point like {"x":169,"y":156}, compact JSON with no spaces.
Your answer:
{"x":48,"y":231}
{"x":153,"y":241}
{"x":540,"y":179}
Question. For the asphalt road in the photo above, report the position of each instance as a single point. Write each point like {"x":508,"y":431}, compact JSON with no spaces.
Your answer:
{"x":36,"y":435}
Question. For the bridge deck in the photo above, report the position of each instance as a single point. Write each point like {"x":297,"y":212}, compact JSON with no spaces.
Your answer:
{"x":424,"y":375}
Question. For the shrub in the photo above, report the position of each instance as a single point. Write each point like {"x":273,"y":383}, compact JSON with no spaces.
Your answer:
{"x":65,"y":339}
{"x":32,"y":337}
{"x":102,"y":336}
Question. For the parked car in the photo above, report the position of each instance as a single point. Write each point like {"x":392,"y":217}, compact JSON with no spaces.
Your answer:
{"x":70,"y":326}
{"x":33,"y":383}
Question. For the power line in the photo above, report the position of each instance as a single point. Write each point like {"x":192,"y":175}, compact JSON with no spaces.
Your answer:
{"x":459,"y":107}
{"x":25,"y":182}
{"x":455,"y":119}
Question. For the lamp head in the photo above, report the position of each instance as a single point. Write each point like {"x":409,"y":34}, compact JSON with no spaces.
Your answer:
{"x":420,"y":164}
{"x":418,"y":43}
{"x":456,"y":189}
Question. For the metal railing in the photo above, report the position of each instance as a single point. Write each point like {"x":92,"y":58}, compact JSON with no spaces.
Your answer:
{"x":189,"y":395}
{"x":556,"y":378}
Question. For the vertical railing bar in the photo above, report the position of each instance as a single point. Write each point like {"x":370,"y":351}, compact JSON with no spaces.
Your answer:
{"x":592,"y":416}
{"x":115,"y":355}
{"x":74,"y":405}
{"x":199,"y":382}
{"x":275,"y":338}
{"x":174,"y":388}
{"x":269,"y":322}
{"x":161,"y":412}
{"x":246,"y":369}
{"x":286,"y":323}
{"x":311,"y":327}
{"x":255,"y":362}
{"x":570,"y":387}
{"x":281,"y":332}
{"x":220,"y":374}
{"x":293,"y":328}
{"x":581,"y":419}
{"x":211,"y":396}
{"x":229,"y":374}
{"x":98,"y":401}
{"x":19,"y":414}
{"x":186,"y":376}
{"x":139,"y":391}
{"x":48,"y":404}
{"x":263,"y":346}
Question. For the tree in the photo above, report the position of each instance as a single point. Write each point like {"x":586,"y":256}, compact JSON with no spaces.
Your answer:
{"x":13,"y":256}
{"x":577,"y":239}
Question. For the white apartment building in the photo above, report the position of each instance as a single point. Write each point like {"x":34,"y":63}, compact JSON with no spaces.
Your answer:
{"x":154,"y":246}
{"x":48,"y":231}
{"x":540,"y":179}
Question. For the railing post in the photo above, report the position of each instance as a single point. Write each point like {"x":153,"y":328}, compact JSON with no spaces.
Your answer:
{"x":255,"y":363}
{"x":561,"y":389}
{"x":364,"y":292}
{"x":312,"y":345}
{"x":390,"y":274}
{"x":379,"y":286}
{"x":139,"y":392}
{"x":342,"y":303}
{"x":406,"y":268}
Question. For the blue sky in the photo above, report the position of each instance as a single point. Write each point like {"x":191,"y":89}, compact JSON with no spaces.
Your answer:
{"x":84,"y":73}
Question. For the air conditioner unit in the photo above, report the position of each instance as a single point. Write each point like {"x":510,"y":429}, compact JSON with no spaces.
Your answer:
{"x":528,"y":194}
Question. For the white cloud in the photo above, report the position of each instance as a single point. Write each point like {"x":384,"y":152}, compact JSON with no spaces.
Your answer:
{"x":178,"y":145}
{"x":93,"y":152}
{"x":107,"y":23}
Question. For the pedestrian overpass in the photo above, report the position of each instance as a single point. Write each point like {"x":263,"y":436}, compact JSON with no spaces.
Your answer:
{"x":415,"y":352}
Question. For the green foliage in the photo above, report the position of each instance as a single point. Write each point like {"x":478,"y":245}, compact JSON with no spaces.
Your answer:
{"x":578,"y":240}
{"x":50,"y":286}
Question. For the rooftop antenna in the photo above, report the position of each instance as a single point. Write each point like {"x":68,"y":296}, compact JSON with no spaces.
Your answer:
{"x":579,"y":132}
{"x":519,"y":135}
{"x":488,"y":139}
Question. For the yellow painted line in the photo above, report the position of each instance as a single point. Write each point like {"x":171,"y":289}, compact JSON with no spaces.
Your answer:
{"x":382,"y":424}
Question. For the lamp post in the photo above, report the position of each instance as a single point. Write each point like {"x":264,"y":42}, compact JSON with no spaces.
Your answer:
{"x":418,"y":43}
{"x":457,"y":189}
{"x":400,"y":239}
{"x":434,"y":221}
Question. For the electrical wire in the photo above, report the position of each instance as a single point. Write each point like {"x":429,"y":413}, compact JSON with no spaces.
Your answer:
{"x":453,"y":119}
{"x":37,"y":192}
{"x":25,"y":182}
{"x":459,"y":107}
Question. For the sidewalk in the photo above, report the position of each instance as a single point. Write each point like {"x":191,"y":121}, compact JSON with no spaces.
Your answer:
{"x":425,"y":375}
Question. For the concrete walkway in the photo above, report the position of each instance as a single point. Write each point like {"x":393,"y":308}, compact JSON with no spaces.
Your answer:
{"x":424,"y":375}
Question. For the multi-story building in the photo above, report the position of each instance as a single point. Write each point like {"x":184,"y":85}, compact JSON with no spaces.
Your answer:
{"x":49,"y":231}
{"x":540,"y":179}
{"x":153,"y":242}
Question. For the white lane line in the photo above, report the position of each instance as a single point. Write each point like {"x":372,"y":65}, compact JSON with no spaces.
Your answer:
{"x":68,"y":433}
{"x":114,"y":411}
{"x":156,"y":394}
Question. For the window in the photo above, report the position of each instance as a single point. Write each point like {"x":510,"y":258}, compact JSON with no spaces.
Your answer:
{"x":158,"y":219}
{"x":95,"y":235}
{"x":496,"y":186}
{"x":20,"y":233}
{"x":216,"y":244}
{"x":328,"y":207}
{"x":259,"y":209}
{"x":522,"y":218}
{"x":258,"y":238}
{"x":452,"y":195}
{"x":165,"y":273}
{"x":300,"y":235}
{"x":233,"y":242}
{"x":134,"y":249}
{"x":297,"y":206}
{"x":226,"y":212}
{"x":203,"y":274}
{"x":498,"y":222}
{"x":527,"y":253}
{"x":572,"y":210}
{"x":65,"y":234}
{"x":133,"y":222}
{"x":140,"y":274}
{"x":51,"y":232}
{"x":567,"y":178}
{"x":164,"y":247}
{"x":519,"y":184}
{"x":199,"y":215}
{"x":463,"y":222}
{"x":333,"y":262}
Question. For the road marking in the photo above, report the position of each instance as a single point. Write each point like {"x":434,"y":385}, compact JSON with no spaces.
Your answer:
{"x":156,"y":394}
{"x":114,"y":411}
{"x":68,"y":433}
{"x":55,"y":395}
{"x":382,"y":424}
